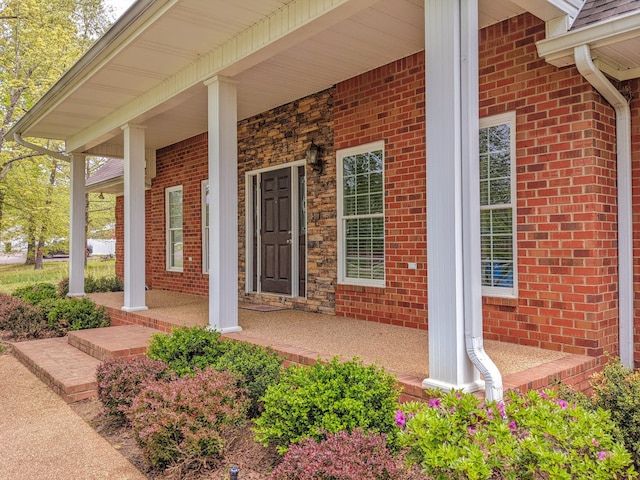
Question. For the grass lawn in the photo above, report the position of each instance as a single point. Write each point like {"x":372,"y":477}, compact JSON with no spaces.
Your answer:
{"x":15,"y":276}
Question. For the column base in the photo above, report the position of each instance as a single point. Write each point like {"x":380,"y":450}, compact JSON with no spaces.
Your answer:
{"x":135,"y":309}
{"x":75,"y":295}
{"x":446,"y":386}
{"x":235,"y":329}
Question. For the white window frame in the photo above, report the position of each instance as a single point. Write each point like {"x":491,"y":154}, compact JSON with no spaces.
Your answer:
{"x":505,"y":118}
{"x":168,"y":191}
{"x":342,"y":267}
{"x":205,"y":227}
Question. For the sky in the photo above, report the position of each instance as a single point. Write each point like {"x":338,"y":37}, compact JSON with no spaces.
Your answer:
{"x":119,"y":5}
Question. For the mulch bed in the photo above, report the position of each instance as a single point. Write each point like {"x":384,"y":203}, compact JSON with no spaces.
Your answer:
{"x":241,"y":450}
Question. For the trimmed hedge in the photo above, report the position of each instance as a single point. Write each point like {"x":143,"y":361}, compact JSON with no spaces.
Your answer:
{"x":312,"y":402}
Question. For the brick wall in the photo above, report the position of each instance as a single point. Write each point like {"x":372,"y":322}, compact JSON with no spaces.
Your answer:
{"x":566,"y":207}
{"x":566,"y":200}
{"x":184,"y":163}
{"x":634,"y":88}
{"x":566,"y":194}
{"x":276,"y":137}
{"x":388,"y":104}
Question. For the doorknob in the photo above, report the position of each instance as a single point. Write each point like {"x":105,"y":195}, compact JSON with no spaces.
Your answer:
{"x":289,"y":241}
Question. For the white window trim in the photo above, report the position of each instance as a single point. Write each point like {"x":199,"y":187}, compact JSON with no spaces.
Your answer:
{"x":340,"y":155}
{"x":205,"y":237}
{"x":167,"y":194}
{"x":510,"y":118}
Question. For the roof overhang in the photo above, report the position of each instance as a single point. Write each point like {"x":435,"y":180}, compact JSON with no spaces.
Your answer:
{"x":150,"y":67}
{"x":614,"y":44}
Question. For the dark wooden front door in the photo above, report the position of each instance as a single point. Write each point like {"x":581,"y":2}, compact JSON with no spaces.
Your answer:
{"x":276,"y":231}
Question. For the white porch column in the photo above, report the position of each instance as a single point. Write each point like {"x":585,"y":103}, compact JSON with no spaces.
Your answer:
{"x":77,"y":241}
{"x":453,"y":208}
{"x":134,"y":218}
{"x":223,"y":205}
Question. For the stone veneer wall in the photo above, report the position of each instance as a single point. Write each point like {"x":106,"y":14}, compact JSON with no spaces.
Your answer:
{"x":278,"y":137}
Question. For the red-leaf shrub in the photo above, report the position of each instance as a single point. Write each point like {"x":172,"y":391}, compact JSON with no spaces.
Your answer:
{"x":23,"y":319}
{"x":181,"y":423}
{"x":342,"y":456}
{"x":119,"y":381}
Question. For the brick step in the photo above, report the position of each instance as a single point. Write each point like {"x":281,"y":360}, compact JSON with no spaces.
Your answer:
{"x":125,"y":341}
{"x":68,"y":371}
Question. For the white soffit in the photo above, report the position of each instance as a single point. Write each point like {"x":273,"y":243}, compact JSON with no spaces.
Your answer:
{"x":614,"y":44}
{"x":278,"y":50}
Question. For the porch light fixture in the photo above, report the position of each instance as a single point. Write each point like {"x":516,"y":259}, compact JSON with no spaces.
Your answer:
{"x":313,"y":157}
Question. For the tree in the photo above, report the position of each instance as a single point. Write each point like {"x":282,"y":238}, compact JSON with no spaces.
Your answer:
{"x":39,"y":41}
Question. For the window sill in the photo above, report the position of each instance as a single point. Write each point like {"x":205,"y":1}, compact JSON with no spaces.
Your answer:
{"x":351,"y":284}
{"x":500,"y":301}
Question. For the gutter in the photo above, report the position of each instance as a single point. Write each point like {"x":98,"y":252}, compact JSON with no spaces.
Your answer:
{"x":37,"y":148}
{"x":596,"y":78}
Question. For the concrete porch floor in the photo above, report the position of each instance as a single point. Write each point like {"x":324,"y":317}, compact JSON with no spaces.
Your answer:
{"x":304,"y":337}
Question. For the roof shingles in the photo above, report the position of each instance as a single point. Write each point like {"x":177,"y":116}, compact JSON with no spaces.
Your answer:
{"x":595,"y":11}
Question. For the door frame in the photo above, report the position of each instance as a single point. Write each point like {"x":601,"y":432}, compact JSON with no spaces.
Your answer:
{"x":249,"y":201}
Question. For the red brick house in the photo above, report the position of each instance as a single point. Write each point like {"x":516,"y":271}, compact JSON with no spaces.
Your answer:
{"x":374,"y":159}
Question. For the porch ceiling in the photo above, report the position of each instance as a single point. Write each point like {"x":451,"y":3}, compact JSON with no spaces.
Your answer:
{"x":153,"y":46}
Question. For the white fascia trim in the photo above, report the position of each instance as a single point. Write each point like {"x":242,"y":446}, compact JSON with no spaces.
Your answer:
{"x":548,"y":9}
{"x":559,"y":50}
{"x":570,"y":7}
{"x":138,"y":17}
{"x":297,"y":21}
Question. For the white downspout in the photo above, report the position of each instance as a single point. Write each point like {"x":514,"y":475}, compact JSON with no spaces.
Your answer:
{"x":625,"y":223}
{"x":37,"y":148}
{"x":473,"y":331}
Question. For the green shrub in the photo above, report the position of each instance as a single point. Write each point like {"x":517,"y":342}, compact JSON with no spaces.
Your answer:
{"x":93,"y":285}
{"x":617,"y":389}
{"x":342,"y":456}
{"x":63,"y":287}
{"x":327,"y":398}
{"x":186,"y":349}
{"x":537,"y":435}
{"x":76,"y":314}
{"x":120,"y":380}
{"x":183,"y":422}
{"x":108,"y":284}
{"x":34,"y":294}
{"x":257,"y":368}
{"x":22,"y":319}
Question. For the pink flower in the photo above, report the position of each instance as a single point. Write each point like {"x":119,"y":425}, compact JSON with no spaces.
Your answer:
{"x":401,"y":420}
{"x":434,"y":403}
{"x":595,"y":443}
{"x":544,"y":395}
{"x":513,"y":426}
{"x":471,"y":430}
{"x":564,"y":405}
{"x":602,"y":455}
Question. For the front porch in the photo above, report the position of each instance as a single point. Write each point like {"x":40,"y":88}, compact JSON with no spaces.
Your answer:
{"x":303,"y":337}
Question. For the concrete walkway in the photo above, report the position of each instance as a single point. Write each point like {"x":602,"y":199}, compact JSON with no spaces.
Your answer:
{"x":42,"y":438}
